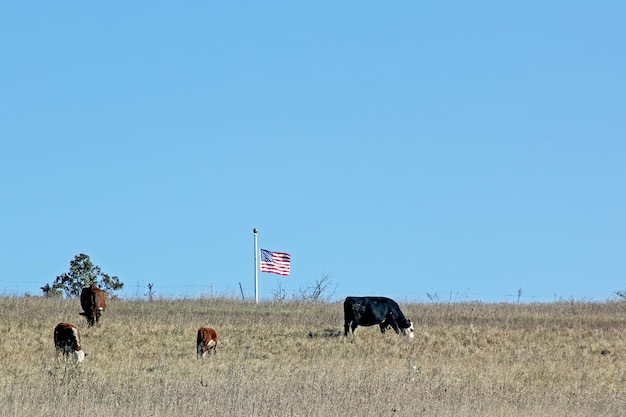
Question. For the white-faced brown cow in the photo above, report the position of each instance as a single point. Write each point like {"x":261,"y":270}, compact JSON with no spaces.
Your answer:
{"x":67,"y":342}
{"x":93,"y":302}
{"x":206,"y":341}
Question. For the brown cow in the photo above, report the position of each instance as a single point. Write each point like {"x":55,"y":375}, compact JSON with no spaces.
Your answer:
{"x":93,"y":301}
{"x":67,"y":342}
{"x":207,"y":340}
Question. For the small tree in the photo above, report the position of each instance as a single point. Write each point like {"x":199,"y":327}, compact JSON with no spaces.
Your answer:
{"x":51,"y":292}
{"x":82,"y":274}
{"x":151,"y":292}
{"x":318,"y":291}
{"x":281,"y":293}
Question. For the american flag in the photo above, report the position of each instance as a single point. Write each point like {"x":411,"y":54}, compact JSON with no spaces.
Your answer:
{"x":275,"y":262}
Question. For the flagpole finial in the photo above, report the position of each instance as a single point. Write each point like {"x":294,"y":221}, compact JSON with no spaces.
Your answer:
{"x":255,"y":230}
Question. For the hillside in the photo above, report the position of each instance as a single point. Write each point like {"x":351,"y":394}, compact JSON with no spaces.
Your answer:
{"x":290,"y":359}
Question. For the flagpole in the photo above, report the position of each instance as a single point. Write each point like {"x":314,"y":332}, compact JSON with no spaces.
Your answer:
{"x":256,"y":267}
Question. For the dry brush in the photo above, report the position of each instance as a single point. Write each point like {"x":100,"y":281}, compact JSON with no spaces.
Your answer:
{"x":290,"y":359}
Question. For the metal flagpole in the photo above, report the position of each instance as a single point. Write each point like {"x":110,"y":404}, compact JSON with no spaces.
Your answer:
{"x":256,"y":267}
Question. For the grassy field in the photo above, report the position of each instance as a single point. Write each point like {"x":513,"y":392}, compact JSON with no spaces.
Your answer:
{"x":290,"y":359}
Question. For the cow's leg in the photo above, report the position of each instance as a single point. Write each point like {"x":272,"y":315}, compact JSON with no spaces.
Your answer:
{"x":66,"y":353}
{"x":86,"y":316}
{"x":346,"y":328}
{"x":394,"y":325}
{"x":200,"y":349}
{"x":90,"y":319}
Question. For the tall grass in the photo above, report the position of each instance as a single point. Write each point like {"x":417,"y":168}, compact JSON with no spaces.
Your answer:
{"x":290,"y":359}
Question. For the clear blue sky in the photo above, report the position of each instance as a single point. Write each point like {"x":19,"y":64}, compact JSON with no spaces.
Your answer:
{"x":420,"y":150}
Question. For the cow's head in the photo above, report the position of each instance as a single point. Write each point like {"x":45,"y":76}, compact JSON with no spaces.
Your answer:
{"x":79,"y":356}
{"x":408,"y":331}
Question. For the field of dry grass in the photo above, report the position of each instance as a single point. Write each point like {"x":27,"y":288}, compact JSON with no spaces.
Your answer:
{"x":289,"y":359}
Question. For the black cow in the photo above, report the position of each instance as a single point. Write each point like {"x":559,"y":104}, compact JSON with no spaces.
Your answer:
{"x":368,"y":311}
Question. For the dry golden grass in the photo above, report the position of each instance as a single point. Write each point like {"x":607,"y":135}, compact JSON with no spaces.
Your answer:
{"x":564,"y":359}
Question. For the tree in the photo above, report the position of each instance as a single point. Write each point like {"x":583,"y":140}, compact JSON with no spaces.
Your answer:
{"x":82,"y":274}
{"x":318,"y":291}
{"x":51,"y":292}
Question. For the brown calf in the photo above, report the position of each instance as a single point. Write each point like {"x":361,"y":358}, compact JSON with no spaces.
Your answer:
{"x":206,"y":341}
{"x":67,"y":342}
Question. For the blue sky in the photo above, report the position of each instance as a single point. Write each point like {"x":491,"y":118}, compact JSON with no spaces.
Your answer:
{"x":424,"y":151}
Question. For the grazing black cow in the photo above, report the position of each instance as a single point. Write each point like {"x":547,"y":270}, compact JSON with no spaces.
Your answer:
{"x":67,"y":342}
{"x":368,"y":311}
{"x":93,"y":302}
